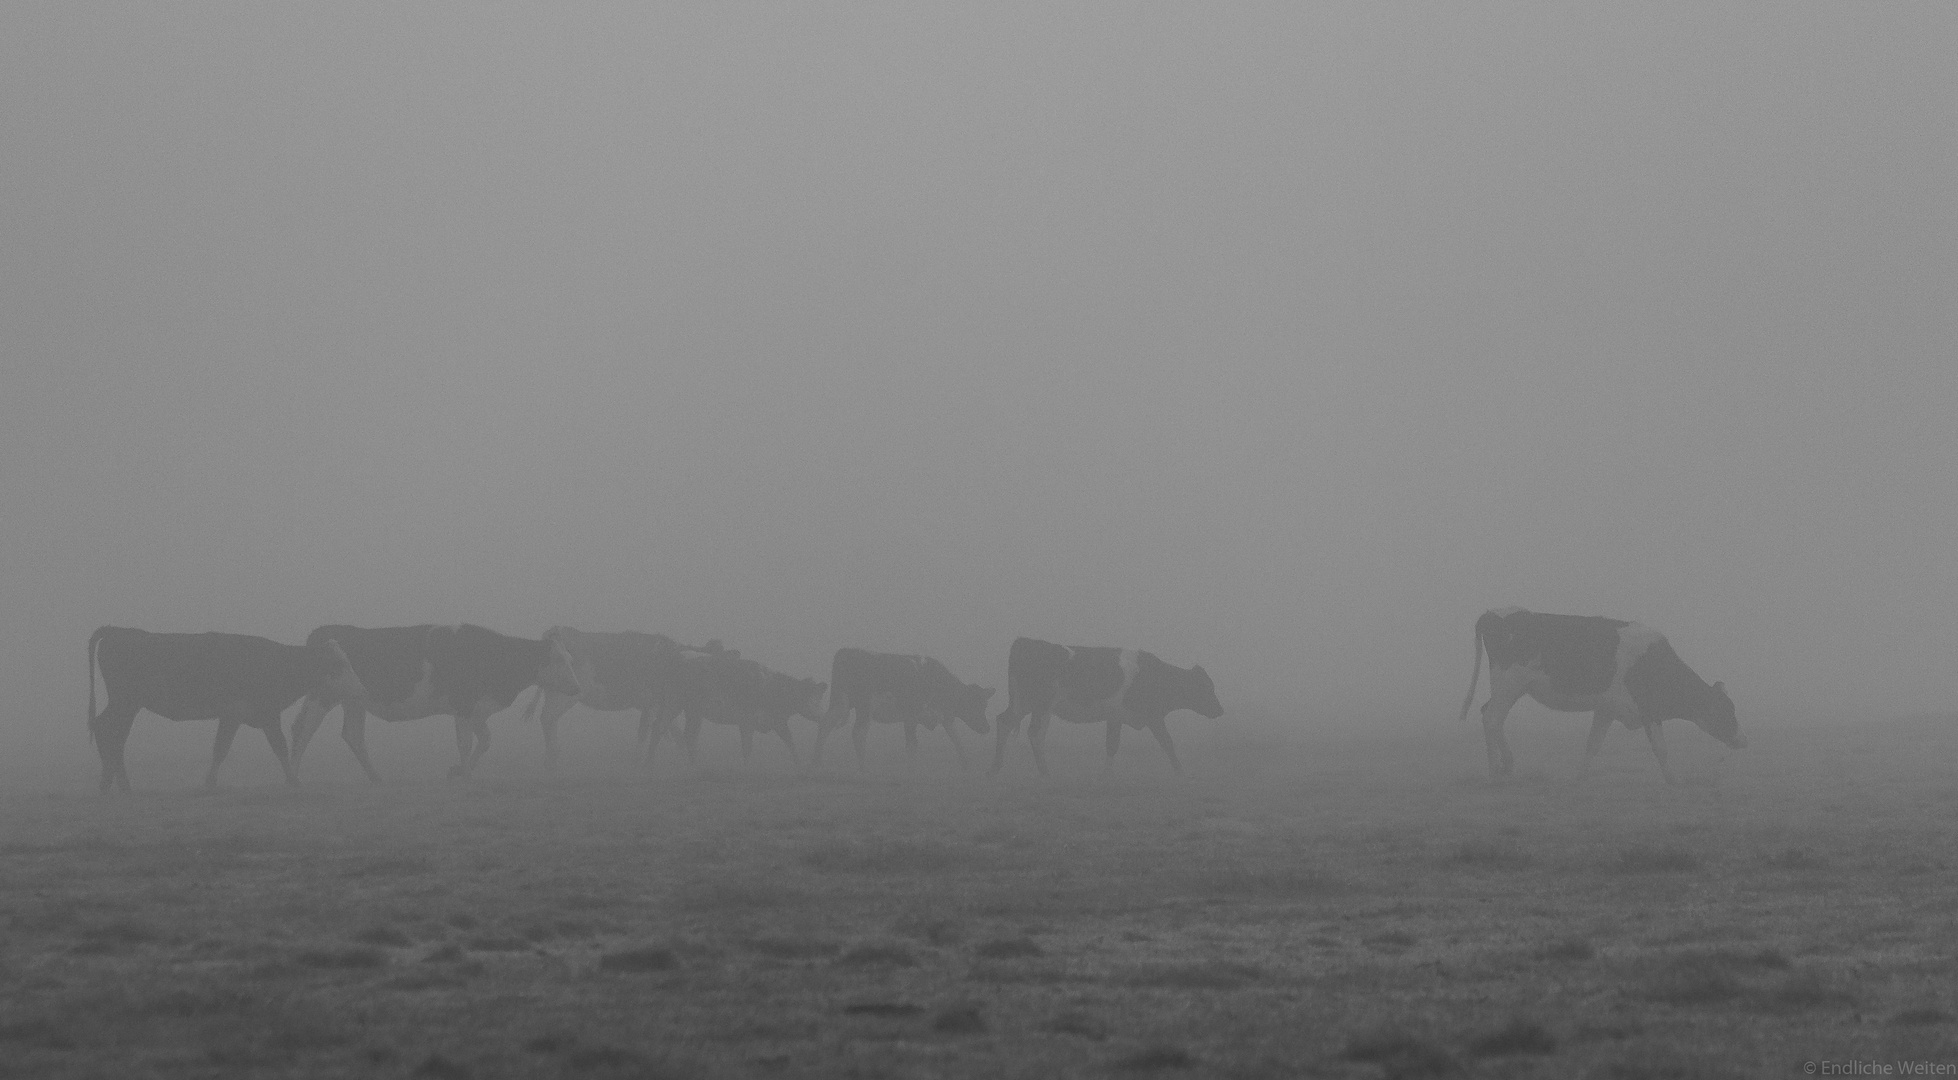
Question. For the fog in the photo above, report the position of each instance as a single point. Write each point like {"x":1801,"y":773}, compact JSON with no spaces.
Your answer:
{"x":1280,"y":338}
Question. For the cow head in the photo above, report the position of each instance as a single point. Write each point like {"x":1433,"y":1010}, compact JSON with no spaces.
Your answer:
{"x":559,"y":675}
{"x":971,"y":707}
{"x":339,"y":677}
{"x":1714,"y":713}
{"x":1200,"y":695}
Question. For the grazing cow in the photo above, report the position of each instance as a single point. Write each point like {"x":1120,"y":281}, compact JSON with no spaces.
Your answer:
{"x":1612,"y":669}
{"x":1116,"y":687}
{"x":408,"y":672}
{"x":916,"y":691}
{"x":751,"y":697}
{"x":233,"y":678}
{"x":616,"y":672}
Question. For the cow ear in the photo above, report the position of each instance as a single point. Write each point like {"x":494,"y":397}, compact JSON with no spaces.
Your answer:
{"x":1199,"y":670}
{"x":989,"y":694}
{"x":1719,"y":688}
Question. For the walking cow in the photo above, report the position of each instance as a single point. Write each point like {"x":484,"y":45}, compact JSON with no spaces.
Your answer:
{"x":1117,"y":687}
{"x":751,"y":696}
{"x":408,"y":672}
{"x":237,"y":679}
{"x":916,"y":691}
{"x":1612,"y":669}
{"x":617,"y":671}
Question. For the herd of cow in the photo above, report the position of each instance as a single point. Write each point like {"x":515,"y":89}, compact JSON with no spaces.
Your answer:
{"x":1610,"y":668}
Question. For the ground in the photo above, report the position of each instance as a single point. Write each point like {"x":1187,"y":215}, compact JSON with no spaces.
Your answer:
{"x":1302,"y":904}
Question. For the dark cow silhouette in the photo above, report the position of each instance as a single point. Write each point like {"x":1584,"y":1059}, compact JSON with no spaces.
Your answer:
{"x":750,"y":696}
{"x":1609,"y":668}
{"x":617,"y":672}
{"x":664,"y":681}
{"x":408,"y":672}
{"x":1116,"y":687}
{"x":916,"y":691}
{"x":235,"y":679}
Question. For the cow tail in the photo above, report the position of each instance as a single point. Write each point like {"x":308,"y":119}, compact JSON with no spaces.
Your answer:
{"x":1475,"y":674}
{"x":92,"y":639}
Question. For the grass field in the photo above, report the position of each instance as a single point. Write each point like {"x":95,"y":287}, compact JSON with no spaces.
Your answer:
{"x":1303,"y":904}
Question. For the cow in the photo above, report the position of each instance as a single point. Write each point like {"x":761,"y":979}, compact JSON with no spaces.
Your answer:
{"x":1612,"y":669}
{"x":408,"y":672}
{"x":617,"y":672}
{"x":916,"y":691}
{"x":236,"y":679}
{"x":1117,"y":687}
{"x":750,"y":696}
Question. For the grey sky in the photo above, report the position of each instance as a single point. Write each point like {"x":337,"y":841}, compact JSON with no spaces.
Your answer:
{"x":1284,"y":338}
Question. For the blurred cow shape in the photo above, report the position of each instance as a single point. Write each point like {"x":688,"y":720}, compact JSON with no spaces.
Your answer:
{"x":408,"y":672}
{"x":1117,"y":687}
{"x":1612,"y":669}
{"x":617,"y":671}
{"x":915,"y":691}
{"x":235,"y":679}
{"x":752,"y":697}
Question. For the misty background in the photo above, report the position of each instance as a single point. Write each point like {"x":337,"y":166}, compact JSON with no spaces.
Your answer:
{"x":1280,"y":338}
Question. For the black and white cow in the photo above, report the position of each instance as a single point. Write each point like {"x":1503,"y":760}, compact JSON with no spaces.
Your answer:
{"x":617,"y":672}
{"x":916,"y":691}
{"x":751,"y":696}
{"x":235,"y":679}
{"x":1116,"y":687}
{"x":1612,"y":669}
{"x":408,"y":672}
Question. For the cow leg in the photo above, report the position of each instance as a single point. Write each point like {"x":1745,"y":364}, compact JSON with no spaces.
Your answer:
{"x":1494,"y":712}
{"x":1114,"y":741}
{"x":111,"y":731}
{"x":833,"y":719}
{"x":479,"y":724}
{"x":1600,"y":726}
{"x":858,"y":732}
{"x":548,"y":714}
{"x":275,"y":736}
{"x":1656,"y":735}
{"x":1159,"y":727}
{"x":312,"y":713}
{"x":663,"y":719}
{"x":465,"y":742}
{"x":911,"y":741}
{"x":220,"y":749}
{"x":952,"y":729}
{"x":1004,"y":728}
{"x":353,"y":729}
{"x":788,"y":740}
{"x":1037,"y":738}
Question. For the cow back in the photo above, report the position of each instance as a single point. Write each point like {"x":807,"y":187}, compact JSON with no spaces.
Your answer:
{"x":619,"y":669}
{"x":198,"y":676}
{"x":473,"y":664}
{"x":1578,"y":653}
{"x":389,"y":660}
